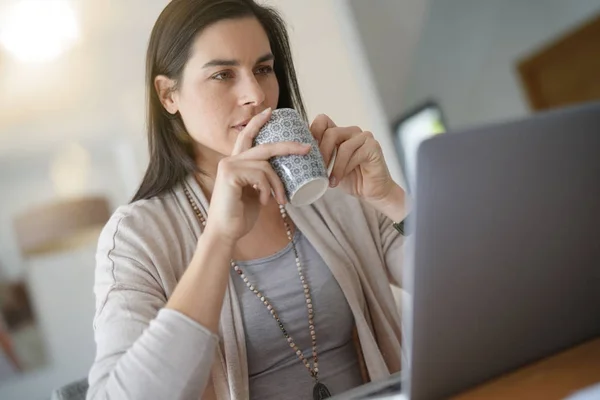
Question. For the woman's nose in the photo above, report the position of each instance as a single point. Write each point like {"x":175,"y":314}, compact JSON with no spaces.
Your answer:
{"x":251,"y":92}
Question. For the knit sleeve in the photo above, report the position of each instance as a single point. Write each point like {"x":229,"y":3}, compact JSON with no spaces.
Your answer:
{"x":142,"y":350}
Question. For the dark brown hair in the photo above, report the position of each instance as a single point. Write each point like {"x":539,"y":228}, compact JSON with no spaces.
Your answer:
{"x":171,"y":147}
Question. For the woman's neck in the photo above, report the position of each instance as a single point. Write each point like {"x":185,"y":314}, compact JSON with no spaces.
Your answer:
{"x":207,"y":184}
{"x":207,"y":162}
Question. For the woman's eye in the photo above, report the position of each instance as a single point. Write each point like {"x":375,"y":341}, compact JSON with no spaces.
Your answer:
{"x":222,"y":76}
{"x":264,"y":70}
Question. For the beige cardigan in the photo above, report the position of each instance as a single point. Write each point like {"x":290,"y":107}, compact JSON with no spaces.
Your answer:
{"x":143,"y":252}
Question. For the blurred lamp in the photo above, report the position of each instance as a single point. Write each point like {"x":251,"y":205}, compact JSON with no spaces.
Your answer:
{"x":38,"y":30}
{"x":61,"y":226}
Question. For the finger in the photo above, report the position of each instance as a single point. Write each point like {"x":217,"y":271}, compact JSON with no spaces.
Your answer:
{"x":261,"y":184}
{"x":345,"y":153}
{"x":248,"y":172}
{"x":247,"y":135}
{"x":334,"y":137}
{"x":265,"y":191}
{"x":319,"y":125}
{"x":276,"y":184}
{"x":274,"y":181}
{"x":364,"y":154}
{"x":266,"y":151}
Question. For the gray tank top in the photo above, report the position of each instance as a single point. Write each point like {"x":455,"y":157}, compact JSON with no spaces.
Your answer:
{"x":275,"y":372}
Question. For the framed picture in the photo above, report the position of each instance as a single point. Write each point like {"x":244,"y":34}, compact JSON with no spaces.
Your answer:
{"x":411,"y":129}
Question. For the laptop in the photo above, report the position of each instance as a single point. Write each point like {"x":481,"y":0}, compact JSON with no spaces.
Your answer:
{"x":503,"y":267}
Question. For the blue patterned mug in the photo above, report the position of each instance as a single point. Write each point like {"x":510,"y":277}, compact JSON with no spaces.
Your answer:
{"x":305,"y":178}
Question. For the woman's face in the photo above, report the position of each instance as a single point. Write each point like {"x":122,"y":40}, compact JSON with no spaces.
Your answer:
{"x":228,"y":79}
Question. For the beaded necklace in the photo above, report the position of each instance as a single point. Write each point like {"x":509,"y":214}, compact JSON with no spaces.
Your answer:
{"x":320,"y":391}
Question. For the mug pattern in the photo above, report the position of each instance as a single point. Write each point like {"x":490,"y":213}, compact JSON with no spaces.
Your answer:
{"x":293,"y":170}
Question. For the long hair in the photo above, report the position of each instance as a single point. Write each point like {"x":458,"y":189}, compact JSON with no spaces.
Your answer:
{"x":171,"y":147}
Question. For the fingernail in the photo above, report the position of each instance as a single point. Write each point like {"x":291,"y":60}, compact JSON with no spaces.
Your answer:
{"x":332,"y":182}
{"x":266,"y":110}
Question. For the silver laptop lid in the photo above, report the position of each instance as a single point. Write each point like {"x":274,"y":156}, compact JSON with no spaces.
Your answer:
{"x":506,"y":248}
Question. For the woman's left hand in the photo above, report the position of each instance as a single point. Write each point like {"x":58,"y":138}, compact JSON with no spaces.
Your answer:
{"x":359,"y":167}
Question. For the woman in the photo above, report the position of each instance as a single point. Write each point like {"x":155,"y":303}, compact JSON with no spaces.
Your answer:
{"x":250,"y":298}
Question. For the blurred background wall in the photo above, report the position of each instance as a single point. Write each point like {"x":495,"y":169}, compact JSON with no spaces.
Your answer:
{"x":467,"y":54}
{"x":72,"y":127}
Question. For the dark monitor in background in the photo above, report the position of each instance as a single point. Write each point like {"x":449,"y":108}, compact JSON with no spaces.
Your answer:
{"x":411,"y":129}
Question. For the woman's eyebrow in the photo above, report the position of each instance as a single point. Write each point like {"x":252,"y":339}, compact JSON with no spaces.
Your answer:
{"x":235,"y":63}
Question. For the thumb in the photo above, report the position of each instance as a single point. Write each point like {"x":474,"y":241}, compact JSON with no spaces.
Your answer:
{"x":247,"y":135}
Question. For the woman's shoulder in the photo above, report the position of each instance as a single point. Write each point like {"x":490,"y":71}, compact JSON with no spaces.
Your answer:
{"x":145,"y":223}
{"x":150,"y":235}
{"x":339,"y":202}
{"x":142,"y":213}
{"x":340,"y":213}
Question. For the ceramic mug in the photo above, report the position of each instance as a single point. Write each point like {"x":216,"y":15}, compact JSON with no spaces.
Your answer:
{"x":305,"y":178}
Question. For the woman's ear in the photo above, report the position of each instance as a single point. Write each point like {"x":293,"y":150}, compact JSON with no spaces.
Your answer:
{"x":165,"y":88}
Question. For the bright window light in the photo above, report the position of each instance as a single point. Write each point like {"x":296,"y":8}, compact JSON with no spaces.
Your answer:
{"x":38,"y":30}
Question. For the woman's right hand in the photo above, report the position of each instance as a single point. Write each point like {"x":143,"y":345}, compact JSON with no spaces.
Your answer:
{"x":244,"y":182}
